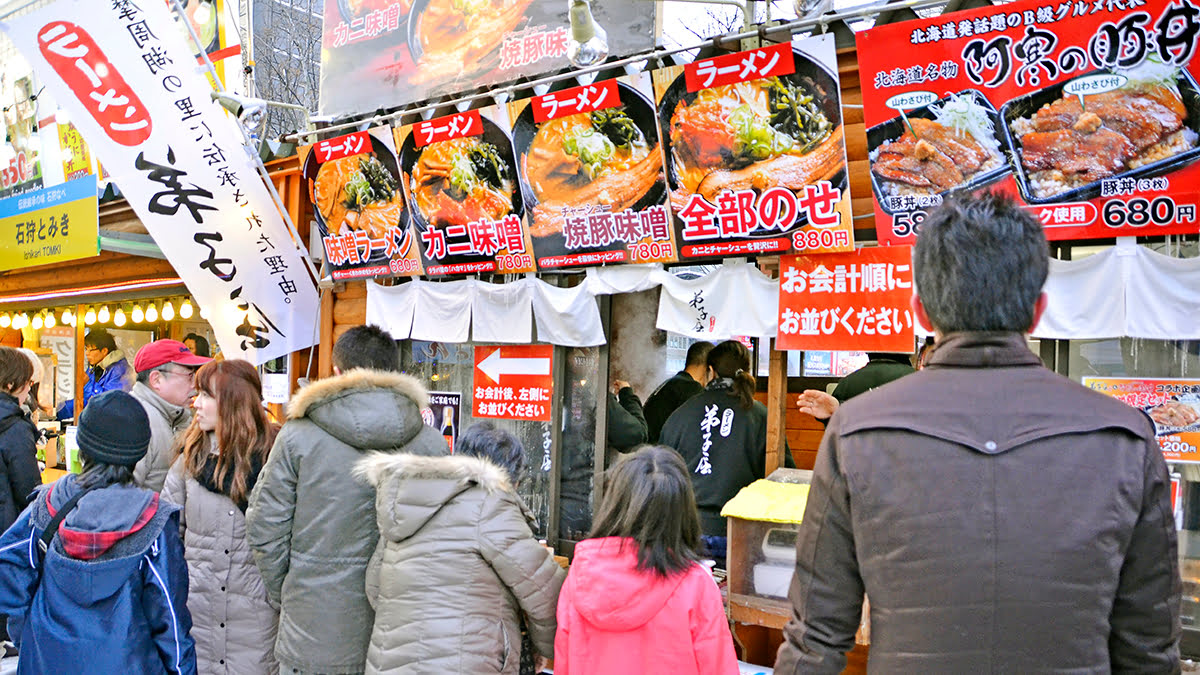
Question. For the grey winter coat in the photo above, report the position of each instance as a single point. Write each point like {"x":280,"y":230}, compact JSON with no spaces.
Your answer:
{"x":1001,"y":518}
{"x":232,"y":622}
{"x":311,"y":524}
{"x":166,"y":422}
{"x":455,"y":565}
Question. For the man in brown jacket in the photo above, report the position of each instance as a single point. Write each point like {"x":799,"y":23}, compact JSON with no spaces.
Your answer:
{"x":1001,"y":518}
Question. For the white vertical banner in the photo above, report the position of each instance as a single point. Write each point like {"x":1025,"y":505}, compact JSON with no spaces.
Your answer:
{"x":137,"y":94}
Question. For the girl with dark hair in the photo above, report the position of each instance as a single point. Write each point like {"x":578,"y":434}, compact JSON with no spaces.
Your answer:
{"x":722,"y":435}
{"x":636,"y":600}
{"x":19,"y":473}
{"x":224,"y":449}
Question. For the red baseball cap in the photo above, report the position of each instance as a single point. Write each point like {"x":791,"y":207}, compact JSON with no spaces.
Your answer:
{"x":161,"y":352}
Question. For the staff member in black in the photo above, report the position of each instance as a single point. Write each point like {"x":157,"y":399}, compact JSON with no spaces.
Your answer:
{"x":679,"y":388}
{"x":722,"y":435}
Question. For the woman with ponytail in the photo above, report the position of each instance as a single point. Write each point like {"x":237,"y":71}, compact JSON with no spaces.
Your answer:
{"x":722,"y":435}
{"x":224,"y":449}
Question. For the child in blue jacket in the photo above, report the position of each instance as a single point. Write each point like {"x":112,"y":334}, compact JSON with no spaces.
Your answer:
{"x":111,"y":594}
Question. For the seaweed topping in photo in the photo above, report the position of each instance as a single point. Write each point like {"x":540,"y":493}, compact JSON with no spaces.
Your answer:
{"x":590,"y":159}
{"x":752,"y":135}
{"x":460,"y":181}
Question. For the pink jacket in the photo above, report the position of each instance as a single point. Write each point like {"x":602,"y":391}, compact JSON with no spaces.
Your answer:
{"x":613,"y":618}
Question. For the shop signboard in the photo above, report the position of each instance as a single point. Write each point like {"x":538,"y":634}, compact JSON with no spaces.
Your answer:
{"x":1087,"y":112}
{"x":358,"y":205}
{"x":50,"y":225}
{"x":755,"y":152}
{"x":514,"y":382}
{"x":460,"y":180}
{"x":857,"y":301}
{"x":444,"y":414}
{"x":76,"y":160}
{"x":1172,"y":403}
{"x":591,"y":174}
{"x":388,"y":53}
{"x":131,"y":86}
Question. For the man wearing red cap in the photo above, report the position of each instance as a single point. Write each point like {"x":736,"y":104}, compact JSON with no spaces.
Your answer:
{"x":164,"y":388}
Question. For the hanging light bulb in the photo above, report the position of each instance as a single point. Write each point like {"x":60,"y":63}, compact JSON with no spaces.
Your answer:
{"x":138,"y":315}
{"x":589,"y":43}
{"x":103,"y":315}
{"x":185,"y":310}
{"x":68,"y":317}
{"x":5,"y":320}
{"x":50,"y":321}
{"x":37,"y":322}
{"x":90,"y":317}
{"x":22,"y":320}
{"x":151,"y":313}
{"x":204,"y":313}
{"x":168,"y":311}
{"x":119,"y":318}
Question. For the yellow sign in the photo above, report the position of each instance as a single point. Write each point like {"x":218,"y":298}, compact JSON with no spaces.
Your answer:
{"x":77,"y":160}
{"x":50,"y":225}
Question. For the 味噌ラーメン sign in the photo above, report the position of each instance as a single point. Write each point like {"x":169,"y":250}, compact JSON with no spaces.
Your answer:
{"x":755,"y":152}
{"x":386,"y":53}
{"x":1087,"y":112}
{"x":130,"y":83}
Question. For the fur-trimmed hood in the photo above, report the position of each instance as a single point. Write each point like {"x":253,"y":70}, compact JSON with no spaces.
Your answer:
{"x":369,"y":410}
{"x":411,"y":489}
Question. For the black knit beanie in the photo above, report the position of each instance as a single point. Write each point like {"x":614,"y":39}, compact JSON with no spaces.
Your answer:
{"x":114,"y":429}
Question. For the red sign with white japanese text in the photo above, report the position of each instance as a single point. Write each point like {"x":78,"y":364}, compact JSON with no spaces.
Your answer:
{"x":856,"y":301}
{"x":1172,"y":404}
{"x":359,"y":206}
{"x":74,"y":55}
{"x":1086,"y":112}
{"x":342,"y":146}
{"x":514,"y":382}
{"x":576,"y":101}
{"x":461,"y":183}
{"x":591,"y":174}
{"x":461,"y":125}
{"x":718,"y":71}
{"x":755,"y":152}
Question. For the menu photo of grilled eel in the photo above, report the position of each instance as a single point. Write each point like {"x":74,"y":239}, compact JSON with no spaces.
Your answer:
{"x":1068,"y":143}
{"x":949,"y":149}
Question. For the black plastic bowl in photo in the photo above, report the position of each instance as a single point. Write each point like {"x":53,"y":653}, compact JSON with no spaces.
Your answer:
{"x":639,"y":109}
{"x":1027,"y":105}
{"x":385,"y":157}
{"x":894,"y":129}
{"x":822,"y":84}
{"x":492,"y":133}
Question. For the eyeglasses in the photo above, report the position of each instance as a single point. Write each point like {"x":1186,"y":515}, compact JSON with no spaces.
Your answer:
{"x":188,"y":373}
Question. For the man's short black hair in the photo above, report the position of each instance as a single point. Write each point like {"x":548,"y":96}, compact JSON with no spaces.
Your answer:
{"x":979,"y":264}
{"x":366,"y":346}
{"x":487,"y":441}
{"x":100,"y":339}
{"x":697,"y":354}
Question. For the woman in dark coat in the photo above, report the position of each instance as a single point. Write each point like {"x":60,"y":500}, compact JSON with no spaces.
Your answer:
{"x":19,"y":473}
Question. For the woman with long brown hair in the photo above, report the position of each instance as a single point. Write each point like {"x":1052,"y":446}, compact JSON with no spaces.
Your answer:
{"x":223,"y":451}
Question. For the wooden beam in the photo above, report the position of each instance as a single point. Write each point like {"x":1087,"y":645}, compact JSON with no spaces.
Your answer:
{"x":776,"y":408}
{"x":80,"y":361}
{"x":325,"y":346}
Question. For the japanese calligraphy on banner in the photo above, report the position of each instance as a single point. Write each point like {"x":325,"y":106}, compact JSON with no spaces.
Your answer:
{"x":1173,"y":405}
{"x":354,"y":182}
{"x":131,"y":86}
{"x":514,"y":382}
{"x":1087,"y":112}
{"x":386,"y":53}
{"x":591,"y":174}
{"x":857,"y":301}
{"x":76,"y":160}
{"x":460,"y":181}
{"x":50,"y":225}
{"x":755,"y":152}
